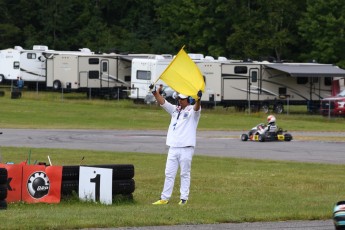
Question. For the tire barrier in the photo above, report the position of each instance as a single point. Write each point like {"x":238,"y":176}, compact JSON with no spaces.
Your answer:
{"x":16,"y":95}
{"x":3,"y":176}
{"x":3,"y":188}
{"x":3,"y":191}
{"x":123,"y":187}
{"x":122,"y":181}
{"x":120,"y":171}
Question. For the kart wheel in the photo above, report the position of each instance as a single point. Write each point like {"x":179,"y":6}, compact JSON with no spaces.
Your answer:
{"x":244,"y":137}
{"x":261,"y":137}
{"x":287,"y":137}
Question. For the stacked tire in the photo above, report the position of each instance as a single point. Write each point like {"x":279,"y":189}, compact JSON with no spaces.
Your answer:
{"x":3,"y":188}
{"x":123,"y":182}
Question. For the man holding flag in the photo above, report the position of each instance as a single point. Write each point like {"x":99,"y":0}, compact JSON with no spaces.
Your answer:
{"x":183,"y":76}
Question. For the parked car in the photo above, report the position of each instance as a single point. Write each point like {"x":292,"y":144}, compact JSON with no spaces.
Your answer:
{"x":334,"y":106}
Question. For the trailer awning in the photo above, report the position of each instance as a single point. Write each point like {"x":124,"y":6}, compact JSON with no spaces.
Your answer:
{"x":309,"y":70}
{"x":126,"y":58}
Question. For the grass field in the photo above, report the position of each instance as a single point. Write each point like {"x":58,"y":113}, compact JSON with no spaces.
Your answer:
{"x":223,"y":189}
{"x":74,"y":111}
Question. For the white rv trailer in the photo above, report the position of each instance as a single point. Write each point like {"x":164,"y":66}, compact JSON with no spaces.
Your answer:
{"x":10,"y":64}
{"x":264,"y":85}
{"x":63,"y":68}
{"x":255,"y":85}
{"x":146,"y":71}
{"x":33,"y":66}
{"x":30,"y":65}
{"x":104,"y":75}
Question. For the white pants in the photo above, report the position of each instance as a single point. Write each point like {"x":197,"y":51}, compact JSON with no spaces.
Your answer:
{"x":178,"y":157}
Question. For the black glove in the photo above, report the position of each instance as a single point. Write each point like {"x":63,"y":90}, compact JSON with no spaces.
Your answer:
{"x":199,"y":94}
{"x":153,"y":91}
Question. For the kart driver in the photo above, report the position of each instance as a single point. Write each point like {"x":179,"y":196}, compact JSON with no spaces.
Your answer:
{"x":271,"y":126}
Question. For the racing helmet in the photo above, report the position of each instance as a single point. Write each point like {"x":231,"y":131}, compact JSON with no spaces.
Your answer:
{"x":271,"y":119}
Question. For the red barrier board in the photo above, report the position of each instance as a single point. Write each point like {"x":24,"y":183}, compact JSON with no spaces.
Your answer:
{"x":33,"y":183}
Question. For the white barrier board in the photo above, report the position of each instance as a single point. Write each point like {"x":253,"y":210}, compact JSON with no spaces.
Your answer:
{"x":96,"y":184}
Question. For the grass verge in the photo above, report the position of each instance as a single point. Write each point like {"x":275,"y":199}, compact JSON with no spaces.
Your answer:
{"x":223,"y":190}
{"x":73,"y":111}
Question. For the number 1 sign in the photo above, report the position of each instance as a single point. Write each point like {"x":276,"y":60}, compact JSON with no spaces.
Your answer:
{"x":96,"y":184}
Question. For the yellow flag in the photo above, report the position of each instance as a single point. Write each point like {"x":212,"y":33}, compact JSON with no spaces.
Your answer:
{"x":183,"y":75}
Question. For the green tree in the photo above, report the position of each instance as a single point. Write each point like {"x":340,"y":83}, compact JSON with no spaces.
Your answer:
{"x":265,"y":28}
{"x":322,"y":28}
{"x":10,"y":33}
{"x":200,"y":25}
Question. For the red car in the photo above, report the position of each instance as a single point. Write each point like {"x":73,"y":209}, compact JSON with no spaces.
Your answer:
{"x":334,"y":106}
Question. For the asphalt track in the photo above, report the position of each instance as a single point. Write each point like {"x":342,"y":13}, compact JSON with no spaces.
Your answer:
{"x":210,"y":143}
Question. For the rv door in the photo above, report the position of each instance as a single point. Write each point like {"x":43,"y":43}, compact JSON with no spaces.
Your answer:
{"x":253,"y":84}
{"x":104,"y":73}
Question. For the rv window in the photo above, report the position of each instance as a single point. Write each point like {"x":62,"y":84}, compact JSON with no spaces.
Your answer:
{"x":128,"y":78}
{"x":31,"y":55}
{"x":16,"y":65}
{"x":328,"y":81}
{"x":315,"y":79}
{"x":93,"y":74}
{"x":93,"y":61}
{"x":282,"y":90}
{"x":105,"y":67}
{"x":302,"y":80}
{"x":241,"y":69}
{"x":143,"y":75}
{"x":254,"y":76}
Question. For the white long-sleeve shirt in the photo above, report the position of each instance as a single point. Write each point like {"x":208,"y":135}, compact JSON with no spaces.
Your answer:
{"x":183,"y":125}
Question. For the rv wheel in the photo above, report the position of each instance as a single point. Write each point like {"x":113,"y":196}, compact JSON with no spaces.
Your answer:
{"x":278,"y":108}
{"x":56,"y":85}
{"x":265,"y":108}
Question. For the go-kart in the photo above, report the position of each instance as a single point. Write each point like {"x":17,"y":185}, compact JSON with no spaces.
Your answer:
{"x":254,"y":135}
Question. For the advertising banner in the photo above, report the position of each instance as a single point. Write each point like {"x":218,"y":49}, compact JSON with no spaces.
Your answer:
{"x":41,"y":184}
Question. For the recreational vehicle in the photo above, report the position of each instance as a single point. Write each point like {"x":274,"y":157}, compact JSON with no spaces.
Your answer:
{"x":144,"y":72}
{"x":264,"y":85}
{"x":9,"y":64}
{"x":255,"y":85}
{"x":33,"y":66}
{"x":104,"y":75}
